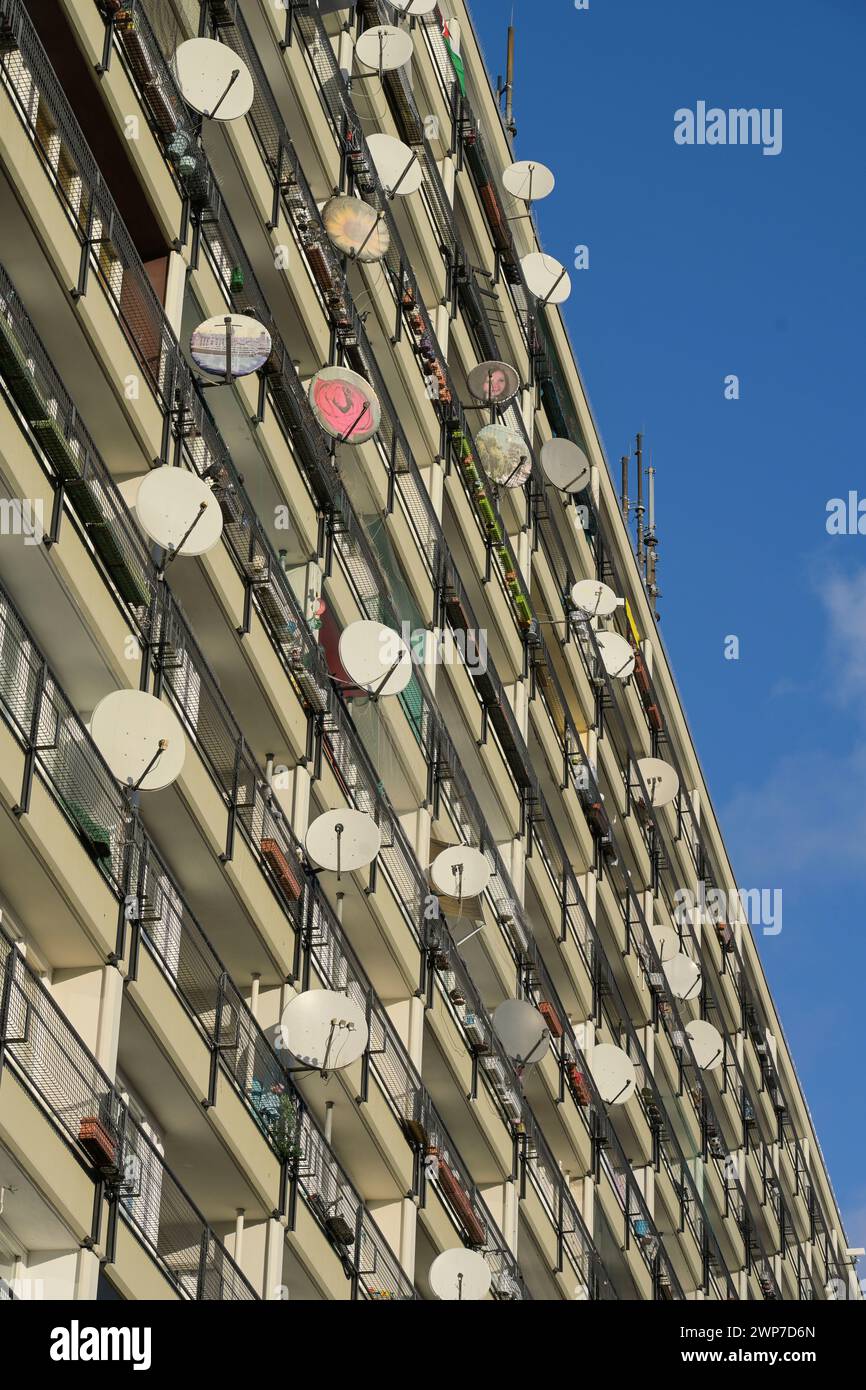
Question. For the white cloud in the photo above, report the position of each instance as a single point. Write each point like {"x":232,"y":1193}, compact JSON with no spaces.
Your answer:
{"x":806,"y":818}
{"x":807,"y":815}
{"x":844,"y":601}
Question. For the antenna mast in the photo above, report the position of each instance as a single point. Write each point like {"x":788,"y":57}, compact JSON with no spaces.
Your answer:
{"x":651,"y":541}
{"x":506,"y":88}
{"x":509,"y":82}
{"x":639,"y":507}
{"x":626,"y":505}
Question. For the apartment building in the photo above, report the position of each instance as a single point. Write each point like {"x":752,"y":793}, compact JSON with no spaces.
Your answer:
{"x":540,"y":1062}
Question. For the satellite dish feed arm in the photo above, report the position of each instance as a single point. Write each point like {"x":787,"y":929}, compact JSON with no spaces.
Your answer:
{"x":163,"y":744}
{"x":176,"y":550}
{"x":622,"y":1088}
{"x":412,"y":158}
{"x":341,"y":439}
{"x":546,"y":299}
{"x":377,"y":219}
{"x":209,"y":115}
{"x":374,"y":694}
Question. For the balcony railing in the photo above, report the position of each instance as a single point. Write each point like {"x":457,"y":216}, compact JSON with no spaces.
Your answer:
{"x":65,"y":757}
{"x":54,"y":1065}
{"x":220,"y":762}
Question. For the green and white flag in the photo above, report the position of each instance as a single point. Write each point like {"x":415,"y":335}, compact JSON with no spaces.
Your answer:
{"x":452,"y":43}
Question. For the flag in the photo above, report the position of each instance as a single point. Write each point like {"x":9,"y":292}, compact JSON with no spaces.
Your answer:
{"x":456,"y":60}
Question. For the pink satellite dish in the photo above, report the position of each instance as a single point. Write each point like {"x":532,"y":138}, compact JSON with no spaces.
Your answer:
{"x":345,"y":404}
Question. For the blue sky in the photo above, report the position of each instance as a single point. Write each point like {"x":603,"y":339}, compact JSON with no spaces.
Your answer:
{"x":706,"y":261}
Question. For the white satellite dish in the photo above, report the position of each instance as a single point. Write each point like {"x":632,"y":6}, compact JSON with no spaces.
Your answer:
{"x":666,"y":942}
{"x":213,"y":79}
{"x":546,"y":278}
{"x":345,"y":405}
{"x":460,"y":1276}
{"x":375,"y":657}
{"x":494,"y":382}
{"x":396,"y":165}
{"x":594,"y":598}
{"x":616,"y":653}
{"x":613,"y":1073}
{"x":343,"y":840}
{"x":683,"y":976}
{"x":140,"y":738}
{"x":230,"y":345}
{"x":179,"y":511}
{"x":528,"y":180}
{"x":660,"y":780}
{"x":324,"y":1029}
{"x":565,"y":465}
{"x":522,"y":1031}
{"x":384,"y":48}
{"x":460,"y":871}
{"x":356,"y":228}
{"x":504,"y":454}
{"x":707,"y":1044}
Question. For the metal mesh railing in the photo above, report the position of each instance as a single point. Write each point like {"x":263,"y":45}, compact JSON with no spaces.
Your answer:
{"x":537,"y":338}
{"x":171,"y":930}
{"x":207,"y":718}
{"x":56,"y":1067}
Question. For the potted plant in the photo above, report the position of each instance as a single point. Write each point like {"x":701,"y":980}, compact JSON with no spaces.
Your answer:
{"x":98,"y":1142}
{"x":276,"y":1108}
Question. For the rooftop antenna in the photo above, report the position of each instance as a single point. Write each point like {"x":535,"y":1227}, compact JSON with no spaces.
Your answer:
{"x":509,"y":80}
{"x":651,"y":540}
{"x":639,"y":506}
{"x":626,"y":505}
{"x":506,"y":89}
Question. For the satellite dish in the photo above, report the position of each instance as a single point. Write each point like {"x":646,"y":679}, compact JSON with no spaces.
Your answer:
{"x":178,"y":511}
{"x":230,"y":345}
{"x":415,"y":7}
{"x":345,"y":405}
{"x":613,"y":1073}
{"x":324,"y":1029}
{"x":140,"y":738}
{"x":528,"y":180}
{"x":343,"y":840}
{"x":384,"y":48}
{"x":504,"y":454}
{"x":396,"y":165}
{"x":460,"y":1276}
{"x":356,"y":228}
{"x":546,"y":278}
{"x":683,"y":976}
{"x":707,"y":1044}
{"x":460,"y":872}
{"x":522,"y":1031}
{"x":666,"y":941}
{"x":616,"y":653}
{"x":594,"y":598}
{"x":565,"y":465}
{"x":375,"y":657}
{"x":660,"y":780}
{"x":213,"y":79}
{"x":494,"y":382}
